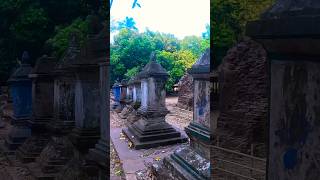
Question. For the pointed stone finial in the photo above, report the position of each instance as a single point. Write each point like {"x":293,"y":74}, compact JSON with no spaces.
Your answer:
{"x":25,"y":57}
{"x":153,"y":57}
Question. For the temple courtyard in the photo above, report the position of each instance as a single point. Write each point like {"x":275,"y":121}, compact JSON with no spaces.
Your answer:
{"x":128,"y":163}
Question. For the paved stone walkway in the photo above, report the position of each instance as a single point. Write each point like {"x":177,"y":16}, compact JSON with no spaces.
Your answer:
{"x":135,"y":162}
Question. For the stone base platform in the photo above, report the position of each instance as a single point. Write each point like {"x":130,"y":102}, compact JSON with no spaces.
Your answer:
{"x":136,"y":161}
{"x":84,"y":139}
{"x":31,"y":148}
{"x":58,"y":152}
{"x":37,"y":174}
{"x":100,"y":153}
{"x":187,"y":164}
{"x":143,"y":138}
{"x":16,"y":137}
{"x":126,"y":111}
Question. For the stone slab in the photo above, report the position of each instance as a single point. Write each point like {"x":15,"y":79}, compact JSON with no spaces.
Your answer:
{"x":149,"y":144}
{"x":135,"y":160}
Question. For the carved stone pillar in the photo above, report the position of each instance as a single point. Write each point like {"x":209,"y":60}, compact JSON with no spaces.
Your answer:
{"x":193,"y":162}
{"x":289,"y":32}
{"x":87,"y":92}
{"x":152,"y":129}
{"x":101,"y":150}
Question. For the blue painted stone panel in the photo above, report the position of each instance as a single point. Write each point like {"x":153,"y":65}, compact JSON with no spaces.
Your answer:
{"x":294,"y":150}
{"x":117,"y":93}
{"x":21,"y":93}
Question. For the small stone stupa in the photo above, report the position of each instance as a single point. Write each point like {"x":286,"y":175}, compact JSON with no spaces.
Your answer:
{"x":42,"y":109}
{"x":21,"y":90}
{"x":193,"y":162}
{"x":152,"y":130}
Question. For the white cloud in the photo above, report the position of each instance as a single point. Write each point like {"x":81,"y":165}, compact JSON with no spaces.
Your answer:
{"x":179,"y":17}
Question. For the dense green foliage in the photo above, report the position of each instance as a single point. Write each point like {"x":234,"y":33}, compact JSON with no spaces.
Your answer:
{"x":131,"y":50}
{"x":29,"y":24}
{"x":60,"y":41}
{"x":229,"y":18}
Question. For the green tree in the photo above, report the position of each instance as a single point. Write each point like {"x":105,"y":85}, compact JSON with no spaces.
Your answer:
{"x":28,"y":24}
{"x":131,"y":50}
{"x":59,"y":43}
{"x":128,"y":23}
{"x":229,"y":18}
{"x":176,"y":63}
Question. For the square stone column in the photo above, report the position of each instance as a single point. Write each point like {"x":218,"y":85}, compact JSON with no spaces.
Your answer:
{"x":194,"y":161}
{"x":64,"y":95}
{"x":42,"y":93}
{"x":42,"y":109}
{"x":152,"y":130}
{"x":87,"y":108}
{"x":137,"y":92}
{"x":129,"y":98}
{"x":87,"y":92}
{"x":123,"y":94}
{"x":21,"y":91}
{"x":289,"y":32}
{"x":100,"y":153}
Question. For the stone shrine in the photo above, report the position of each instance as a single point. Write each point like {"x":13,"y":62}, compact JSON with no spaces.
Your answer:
{"x":59,"y":150}
{"x":289,"y":31}
{"x":193,"y":162}
{"x":151,"y":129}
{"x":21,"y":91}
{"x":87,"y":91}
{"x":64,"y":84}
{"x":100,"y":153}
{"x":42,"y":109}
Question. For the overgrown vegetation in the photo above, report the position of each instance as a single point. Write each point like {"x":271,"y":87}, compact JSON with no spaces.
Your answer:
{"x":131,"y":50}
{"x":40,"y":27}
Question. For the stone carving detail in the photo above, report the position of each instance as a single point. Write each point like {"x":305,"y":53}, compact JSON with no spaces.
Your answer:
{"x":202,"y":110}
{"x":67,"y":102}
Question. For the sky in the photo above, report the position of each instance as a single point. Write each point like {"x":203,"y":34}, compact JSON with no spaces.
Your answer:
{"x":179,"y":17}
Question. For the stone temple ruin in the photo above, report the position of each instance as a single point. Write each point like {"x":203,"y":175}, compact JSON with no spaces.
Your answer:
{"x":151,"y":129}
{"x":254,"y":116}
{"x":193,"y":161}
{"x":59,"y":128}
{"x":240,"y":135}
{"x":185,"y":93}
